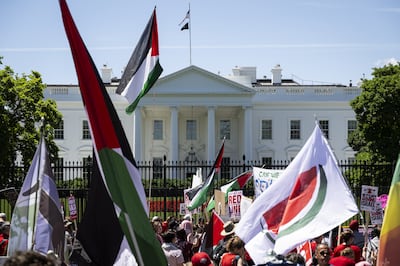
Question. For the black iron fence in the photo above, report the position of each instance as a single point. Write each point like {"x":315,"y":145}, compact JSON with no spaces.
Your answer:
{"x":165,"y":181}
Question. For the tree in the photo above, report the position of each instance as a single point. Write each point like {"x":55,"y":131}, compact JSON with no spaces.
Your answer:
{"x":377,"y":109}
{"x":22,"y":107}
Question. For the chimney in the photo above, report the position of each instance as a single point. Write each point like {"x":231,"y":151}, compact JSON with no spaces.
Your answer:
{"x":276,"y":75}
{"x":106,"y":74}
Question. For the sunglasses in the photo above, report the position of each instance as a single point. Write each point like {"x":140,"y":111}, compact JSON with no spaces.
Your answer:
{"x":324,"y":253}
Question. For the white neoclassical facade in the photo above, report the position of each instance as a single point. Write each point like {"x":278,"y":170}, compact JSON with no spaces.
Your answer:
{"x":186,"y":115}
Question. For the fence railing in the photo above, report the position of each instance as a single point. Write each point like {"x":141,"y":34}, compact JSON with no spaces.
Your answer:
{"x":165,"y":181}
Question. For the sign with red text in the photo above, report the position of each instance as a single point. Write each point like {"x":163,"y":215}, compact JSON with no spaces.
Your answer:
{"x":377,"y":215}
{"x":73,"y":214}
{"x":234,"y":199}
{"x":368,"y":198}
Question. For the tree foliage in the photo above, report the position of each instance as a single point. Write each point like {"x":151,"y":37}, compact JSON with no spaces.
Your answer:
{"x":22,"y":107}
{"x":377,"y":109}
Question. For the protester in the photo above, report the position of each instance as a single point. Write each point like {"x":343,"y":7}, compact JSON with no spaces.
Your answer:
{"x":173,"y":254}
{"x":322,"y":255}
{"x":228,"y":232}
{"x":346,"y":258}
{"x":187,"y":224}
{"x":346,"y":240}
{"x":31,"y":258}
{"x":184,"y":245}
{"x":4,"y":234}
{"x":236,"y":253}
{"x":296,"y":258}
{"x":196,"y":238}
{"x":201,"y":259}
{"x":371,"y":251}
{"x":358,"y":236}
{"x":157,"y":228}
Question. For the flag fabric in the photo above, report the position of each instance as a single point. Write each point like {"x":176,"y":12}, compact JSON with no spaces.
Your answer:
{"x":299,"y":205}
{"x":186,"y":18}
{"x":388,"y":253}
{"x":236,"y":183}
{"x":143,"y":68}
{"x":212,"y":234}
{"x":115,"y":160}
{"x":37,"y":222}
{"x":305,"y":251}
{"x":185,"y":27}
{"x":198,"y":195}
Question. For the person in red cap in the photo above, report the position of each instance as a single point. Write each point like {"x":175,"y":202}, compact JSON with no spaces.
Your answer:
{"x":358,"y":236}
{"x":201,"y":259}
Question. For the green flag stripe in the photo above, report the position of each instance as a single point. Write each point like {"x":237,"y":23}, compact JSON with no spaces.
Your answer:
{"x":125,"y":196}
{"x":316,"y":207}
{"x":151,"y":79}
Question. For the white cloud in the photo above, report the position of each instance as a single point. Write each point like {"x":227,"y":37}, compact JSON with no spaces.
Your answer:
{"x":387,"y":61}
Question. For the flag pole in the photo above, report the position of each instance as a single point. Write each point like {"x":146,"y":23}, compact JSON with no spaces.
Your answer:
{"x":190,"y":37}
{"x":38,"y":184}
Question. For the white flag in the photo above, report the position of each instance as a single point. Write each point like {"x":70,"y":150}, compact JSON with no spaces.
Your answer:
{"x":309,"y":198}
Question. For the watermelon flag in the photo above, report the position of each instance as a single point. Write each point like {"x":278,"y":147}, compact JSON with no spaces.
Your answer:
{"x":115,"y":160}
{"x":236,"y":183}
{"x":198,"y":195}
{"x":37,"y":222}
{"x":300,"y":204}
{"x":143,"y":68}
{"x":212,"y":234}
{"x":388,"y":253}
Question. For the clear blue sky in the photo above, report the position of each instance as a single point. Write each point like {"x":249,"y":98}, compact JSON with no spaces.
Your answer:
{"x":330,"y":41}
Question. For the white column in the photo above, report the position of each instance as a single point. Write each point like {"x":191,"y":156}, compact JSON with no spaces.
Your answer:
{"x":248,"y":132}
{"x":137,"y":139}
{"x":174,"y":134}
{"x":211,"y":133}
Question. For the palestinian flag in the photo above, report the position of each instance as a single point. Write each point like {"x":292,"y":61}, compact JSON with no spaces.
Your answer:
{"x":390,"y":233}
{"x":198,"y":195}
{"x":236,"y":183}
{"x":212,"y":234}
{"x":116,"y":164}
{"x":143,"y":68}
{"x":299,"y":205}
{"x":37,"y":222}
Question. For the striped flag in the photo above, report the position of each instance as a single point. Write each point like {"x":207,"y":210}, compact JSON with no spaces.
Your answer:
{"x":212,"y":234}
{"x":388,"y":253}
{"x":236,"y":183}
{"x":143,"y":68}
{"x":198,"y":195}
{"x":298,"y":206}
{"x":37,"y":222}
{"x":116,"y":164}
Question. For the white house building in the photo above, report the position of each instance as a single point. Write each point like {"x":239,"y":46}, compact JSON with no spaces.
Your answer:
{"x":186,"y":115}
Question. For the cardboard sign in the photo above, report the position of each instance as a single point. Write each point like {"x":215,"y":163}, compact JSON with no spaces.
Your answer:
{"x":263,"y":178}
{"x":368,"y":198}
{"x":377,"y":215}
{"x":219,"y":198}
{"x":234,"y":199}
{"x":73,"y":214}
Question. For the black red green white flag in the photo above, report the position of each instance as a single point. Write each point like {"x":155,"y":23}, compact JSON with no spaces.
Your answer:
{"x":143,"y":68}
{"x":198,"y":195}
{"x":116,"y":164}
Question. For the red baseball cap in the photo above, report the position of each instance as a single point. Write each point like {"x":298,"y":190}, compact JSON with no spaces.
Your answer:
{"x":201,"y":259}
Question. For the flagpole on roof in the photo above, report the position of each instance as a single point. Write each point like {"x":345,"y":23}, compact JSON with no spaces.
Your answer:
{"x":190,"y":37}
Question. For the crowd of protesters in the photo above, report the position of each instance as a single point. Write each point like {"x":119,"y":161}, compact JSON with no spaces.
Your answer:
{"x":183,"y":243}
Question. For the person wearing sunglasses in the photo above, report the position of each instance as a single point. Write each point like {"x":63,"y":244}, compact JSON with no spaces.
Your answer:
{"x":322,"y":255}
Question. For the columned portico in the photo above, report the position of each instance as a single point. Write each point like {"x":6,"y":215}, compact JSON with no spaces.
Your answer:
{"x":137,"y":141}
{"x":248,"y":132}
{"x":211,"y":133}
{"x":174,"y":134}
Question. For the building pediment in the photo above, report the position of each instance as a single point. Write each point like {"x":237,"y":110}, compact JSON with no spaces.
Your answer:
{"x":193,"y":80}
